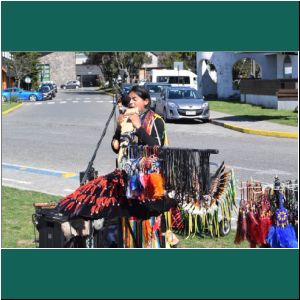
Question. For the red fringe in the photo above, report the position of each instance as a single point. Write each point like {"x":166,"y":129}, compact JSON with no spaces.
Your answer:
{"x":253,"y":232}
{"x":265,"y":224}
{"x":241,"y":232}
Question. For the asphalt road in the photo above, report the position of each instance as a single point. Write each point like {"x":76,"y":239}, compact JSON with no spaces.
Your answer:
{"x":45,"y":145}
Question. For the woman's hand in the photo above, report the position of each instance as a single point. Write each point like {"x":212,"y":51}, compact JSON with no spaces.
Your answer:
{"x":135,"y":120}
{"x":115,"y":144}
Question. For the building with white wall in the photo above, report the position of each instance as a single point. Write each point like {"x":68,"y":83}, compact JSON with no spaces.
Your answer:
{"x":278,"y":71}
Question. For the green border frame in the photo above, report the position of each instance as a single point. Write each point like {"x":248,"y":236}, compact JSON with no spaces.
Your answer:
{"x":150,"y":274}
{"x":149,"y":26}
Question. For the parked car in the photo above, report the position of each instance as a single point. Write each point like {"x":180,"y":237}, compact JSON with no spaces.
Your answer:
{"x":73,"y":84}
{"x":143,"y":81}
{"x":46,"y":91}
{"x":52,"y":88}
{"x":155,"y":90}
{"x":50,"y":82}
{"x":182,"y":103}
{"x":55,"y":87}
{"x":21,"y":95}
{"x":126,"y":87}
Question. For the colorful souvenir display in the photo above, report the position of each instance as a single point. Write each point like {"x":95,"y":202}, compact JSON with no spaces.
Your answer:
{"x":143,"y":167}
{"x":151,"y":181}
{"x":155,"y":232}
{"x":208,"y":212}
{"x":263,"y":220}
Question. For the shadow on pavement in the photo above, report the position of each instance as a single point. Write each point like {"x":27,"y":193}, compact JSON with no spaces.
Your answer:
{"x":186,"y":121}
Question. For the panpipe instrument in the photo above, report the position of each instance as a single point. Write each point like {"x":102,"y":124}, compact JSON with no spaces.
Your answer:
{"x":127,"y":130}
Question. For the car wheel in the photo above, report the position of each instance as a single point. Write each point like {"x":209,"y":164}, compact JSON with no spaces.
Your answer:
{"x":165,"y":116}
{"x":205,"y":120}
{"x":225,"y":227}
{"x":32,"y":98}
{"x":4,"y":99}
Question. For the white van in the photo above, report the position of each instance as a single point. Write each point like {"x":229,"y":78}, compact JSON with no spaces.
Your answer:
{"x":175,"y":78}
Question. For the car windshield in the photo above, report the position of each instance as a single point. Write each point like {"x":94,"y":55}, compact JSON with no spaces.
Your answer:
{"x":45,"y":89}
{"x":155,"y":88}
{"x":183,"y":94}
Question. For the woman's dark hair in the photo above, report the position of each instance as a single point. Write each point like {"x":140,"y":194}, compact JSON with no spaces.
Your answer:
{"x":141,"y":92}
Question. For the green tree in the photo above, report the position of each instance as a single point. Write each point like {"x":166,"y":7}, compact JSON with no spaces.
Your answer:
{"x":243,"y":68}
{"x":24,"y":64}
{"x":167,"y":59}
{"x":113,"y":64}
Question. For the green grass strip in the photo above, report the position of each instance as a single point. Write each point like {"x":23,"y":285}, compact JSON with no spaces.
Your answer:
{"x":254,"y":112}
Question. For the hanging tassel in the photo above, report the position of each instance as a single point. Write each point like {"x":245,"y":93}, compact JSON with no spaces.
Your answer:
{"x":157,"y":187}
{"x":241,"y":233}
{"x":265,"y":223}
{"x":149,"y":188}
{"x":253,"y":233}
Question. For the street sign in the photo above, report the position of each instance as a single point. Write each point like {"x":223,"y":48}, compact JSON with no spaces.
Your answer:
{"x":178,"y":65}
{"x":27,"y":79}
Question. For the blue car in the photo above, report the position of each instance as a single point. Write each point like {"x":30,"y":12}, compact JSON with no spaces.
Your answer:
{"x":21,"y":95}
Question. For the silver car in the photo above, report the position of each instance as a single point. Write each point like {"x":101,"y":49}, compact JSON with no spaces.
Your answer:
{"x":178,"y":103}
{"x":155,"y":90}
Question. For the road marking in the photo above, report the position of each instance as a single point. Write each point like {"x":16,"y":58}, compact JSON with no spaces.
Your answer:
{"x":17,"y":181}
{"x":56,"y":173}
{"x":69,"y":174}
{"x":73,"y":101}
{"x":87,"y":98}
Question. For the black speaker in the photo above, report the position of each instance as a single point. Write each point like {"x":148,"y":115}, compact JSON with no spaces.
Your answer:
{"x":48,"y":224}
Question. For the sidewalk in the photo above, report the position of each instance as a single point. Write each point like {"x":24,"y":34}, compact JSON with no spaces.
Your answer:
{"x":244,"y":125}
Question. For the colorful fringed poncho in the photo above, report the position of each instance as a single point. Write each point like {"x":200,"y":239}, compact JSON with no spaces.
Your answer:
{"x":282,"y":234}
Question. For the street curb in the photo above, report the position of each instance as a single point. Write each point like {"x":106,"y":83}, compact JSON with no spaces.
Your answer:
{"x":281,"y":134}
{"x":12,"y":109}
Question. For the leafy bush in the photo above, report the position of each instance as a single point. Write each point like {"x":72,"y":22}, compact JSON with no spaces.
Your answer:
{"x":14,"y":99}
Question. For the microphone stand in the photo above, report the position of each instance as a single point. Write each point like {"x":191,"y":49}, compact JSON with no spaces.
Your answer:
{"x":90,"y":172}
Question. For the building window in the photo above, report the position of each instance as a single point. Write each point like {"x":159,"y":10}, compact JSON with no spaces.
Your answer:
{"x":44,"y":70}
{"x":287,"y":67}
